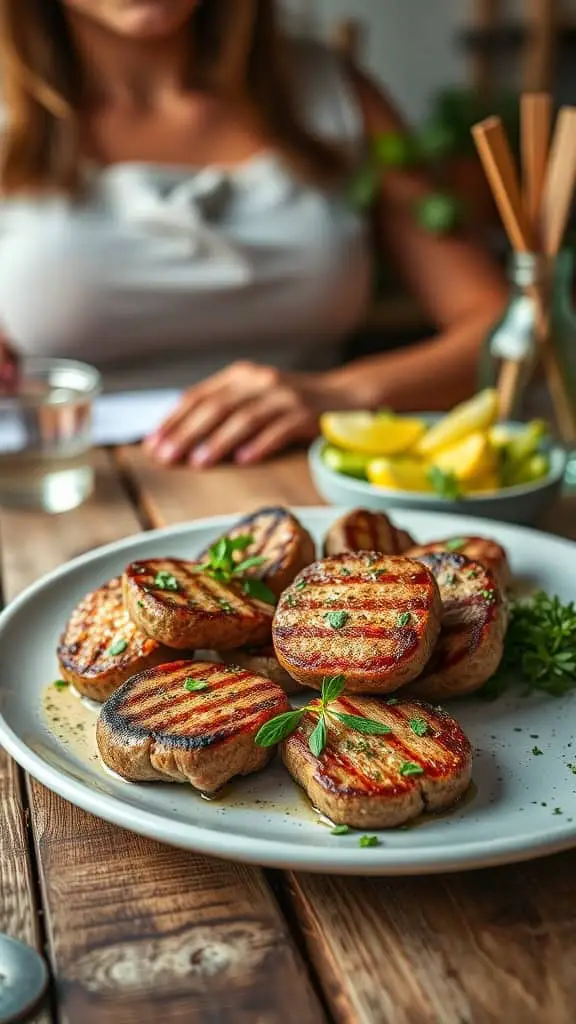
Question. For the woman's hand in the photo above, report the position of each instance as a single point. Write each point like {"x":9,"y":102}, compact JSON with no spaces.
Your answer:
{"x":246,"y":411}
{"x":8,"y":367}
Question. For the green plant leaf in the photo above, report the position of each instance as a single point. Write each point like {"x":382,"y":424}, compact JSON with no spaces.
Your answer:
{"x":366,"y":725}
{"x":278,"y":728}
{"x":318,"y":737}
{"x":259,"y":591}
{"x":332,"y":687}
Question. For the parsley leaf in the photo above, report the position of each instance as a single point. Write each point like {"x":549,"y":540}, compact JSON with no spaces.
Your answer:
{"x":539,"y":649}
{"x":337,"y":619}
{"x":339,"y":830}
{"x":404,"y":619}
{"x":455,"y":543}
{"x":164,"y":580}
{"x":419,"y":726}
{"x":366,"y":841}
{"x":195,"y":685}
{"x":410,"y":768}
{"x":60,"y":684}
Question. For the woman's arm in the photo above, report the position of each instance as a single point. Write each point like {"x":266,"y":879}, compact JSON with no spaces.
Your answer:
{"x":456,"y":284}
{"x":251,"y":411}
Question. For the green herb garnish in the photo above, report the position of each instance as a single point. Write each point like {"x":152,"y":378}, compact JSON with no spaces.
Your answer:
{"x":455,"y":544}
{"x":339,"y":830}
{"x":368,"y":726}
{"x":259,"y":591}
{"x":336,"y":619}
{"x":539,"y":649}
{"x":277,"y":729}
{"x":419,"y":726}
{"x":365,"y":841}
{"x":223,"y":566}
{"x":558,"y":810}
{"x":195,"y":685}
{"x":536,"y":751}
{"x":118,"y":647}
{"x":410,"y":768}
{"x":164,"y":580}
{"x":404,"y":619}
{"x":445,"y":484}
{"x":140,"y":604}
{"x":60,"y":684}
{"x":301,"y":584}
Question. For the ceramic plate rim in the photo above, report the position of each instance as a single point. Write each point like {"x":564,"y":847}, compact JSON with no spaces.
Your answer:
{"x":255,"y":850}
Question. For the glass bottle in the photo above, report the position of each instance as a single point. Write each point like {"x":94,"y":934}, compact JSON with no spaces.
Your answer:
{"x":515,"y":335}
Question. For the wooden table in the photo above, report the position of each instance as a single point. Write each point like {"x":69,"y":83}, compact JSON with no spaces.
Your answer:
{"x":138,"y":933}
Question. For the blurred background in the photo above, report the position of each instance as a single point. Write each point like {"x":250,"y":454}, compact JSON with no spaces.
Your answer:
{"x":448,"y":64}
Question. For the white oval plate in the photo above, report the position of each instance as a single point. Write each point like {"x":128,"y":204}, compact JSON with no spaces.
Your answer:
{"x":524,"y":804}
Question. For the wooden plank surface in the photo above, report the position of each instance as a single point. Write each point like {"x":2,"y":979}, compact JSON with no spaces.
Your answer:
{"x":457,"y":949}
{"x":180,"y":494}
{"x":139,"y":933}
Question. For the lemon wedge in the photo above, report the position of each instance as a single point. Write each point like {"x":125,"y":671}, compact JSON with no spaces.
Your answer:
{"x":400,"y":474}
{"x":369,"y":434}
{"x":479,"y":413}
{"x":483,"y":484}
{"x":469,"y":458}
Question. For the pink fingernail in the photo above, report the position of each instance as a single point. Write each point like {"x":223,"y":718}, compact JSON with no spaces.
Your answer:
{"x":201,"y":456}
{"x":166,"y":452}
{"x":243,"y":455}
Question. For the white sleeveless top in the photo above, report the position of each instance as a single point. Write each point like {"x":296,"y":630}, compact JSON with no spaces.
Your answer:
{"x":163,"y":275}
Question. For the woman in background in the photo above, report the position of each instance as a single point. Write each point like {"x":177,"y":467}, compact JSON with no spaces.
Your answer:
{"x":173,"y":211}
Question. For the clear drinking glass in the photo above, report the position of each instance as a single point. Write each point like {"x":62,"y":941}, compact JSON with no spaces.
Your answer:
{"x":46,"y":436}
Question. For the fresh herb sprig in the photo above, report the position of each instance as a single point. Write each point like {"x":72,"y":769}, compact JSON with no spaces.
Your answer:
{"x":222,"y":566}
{"x":540,"y":648}
{"x":279,"y":728}
{"x":444,"y":484}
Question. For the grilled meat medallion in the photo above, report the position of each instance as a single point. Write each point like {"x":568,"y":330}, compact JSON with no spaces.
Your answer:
{"x":101,"y":648}
{"x":373,"y":618}
{"x":188,"y":722}
{"x":480,"y":549}
{"x":280,"y":539}
{"x":474,"y":620}
{"x":362,"y":530}
{"x":263,"y":662}
{"x":423,"y":764}
{"x":174,"y":603}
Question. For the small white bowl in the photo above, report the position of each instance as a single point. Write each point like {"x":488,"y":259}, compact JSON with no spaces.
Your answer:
{"x":523,"y":504}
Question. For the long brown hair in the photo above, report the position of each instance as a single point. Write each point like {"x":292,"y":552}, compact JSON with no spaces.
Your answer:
{"x":239,"y":51}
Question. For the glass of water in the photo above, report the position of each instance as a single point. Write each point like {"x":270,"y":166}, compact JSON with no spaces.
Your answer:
{"x":46,"y":436}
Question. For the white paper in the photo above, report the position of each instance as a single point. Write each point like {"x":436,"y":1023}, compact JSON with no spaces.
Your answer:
{"x":121,"y":418}
{"x":131,"y":415}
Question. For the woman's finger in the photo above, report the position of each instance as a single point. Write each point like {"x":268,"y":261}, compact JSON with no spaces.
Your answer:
{"x":246,"y":380}
{"x":196,"y":424}
{"x":241,"y":426}
{"x":294,"y":426}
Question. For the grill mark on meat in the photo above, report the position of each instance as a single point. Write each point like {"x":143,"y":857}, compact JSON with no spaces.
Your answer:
{"x":333,"y":759}
{"x":266,"y":537}
{"x":148,"y":714}
{"x":395,"y":604}
{"x":360,"y":632}
{"x":326,"y":580}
